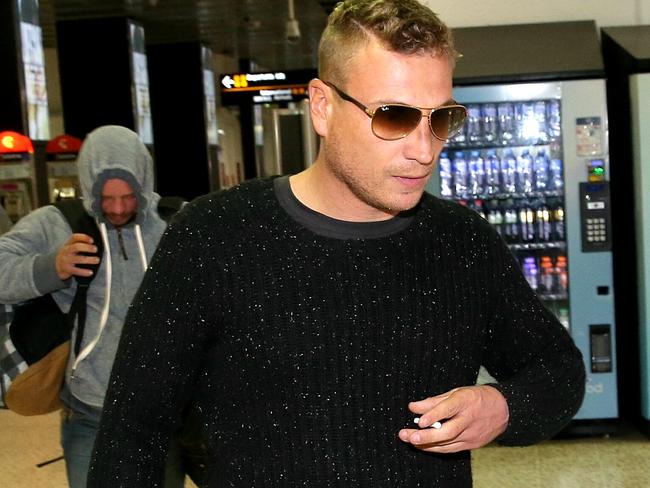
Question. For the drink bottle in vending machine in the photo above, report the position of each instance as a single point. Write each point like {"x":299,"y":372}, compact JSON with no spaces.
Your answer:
{"x":541,"y":170}
{"x":531,"y":273}
{"x":547,"y":274}
{"x":526,"y":221}
{"x":556,"y":177}
{"x":492,"y":172}
{"x":524,"y":172}
{"x":509,"y":171}
{"x":459,"y":165}
{"x":489,"y":123}
{"x":474,"y":128}
{"x":446,"y":175}
{"x":476,"y":174}
{"x":506,"y":123}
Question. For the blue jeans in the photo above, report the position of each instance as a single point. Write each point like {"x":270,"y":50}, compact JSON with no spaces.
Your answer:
{"x":78,"y":432}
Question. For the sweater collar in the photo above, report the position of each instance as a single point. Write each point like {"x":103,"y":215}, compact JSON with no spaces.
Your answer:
{"x":339,"y":229}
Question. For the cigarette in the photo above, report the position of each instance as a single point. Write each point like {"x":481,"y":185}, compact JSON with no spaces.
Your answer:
{"x":435,"y":425}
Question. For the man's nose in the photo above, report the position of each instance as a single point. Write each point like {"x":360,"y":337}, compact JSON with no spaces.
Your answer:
{"x":421,"y":144}
{"x":117,"y":206}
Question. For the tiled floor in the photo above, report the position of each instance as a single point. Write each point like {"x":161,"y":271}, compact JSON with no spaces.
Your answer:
{"x":621,"y":461}
{"x":26,"y":442}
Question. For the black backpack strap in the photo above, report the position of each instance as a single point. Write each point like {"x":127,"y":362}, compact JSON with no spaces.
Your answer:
{"x":78,"y":310}
{"x":81,"y":223}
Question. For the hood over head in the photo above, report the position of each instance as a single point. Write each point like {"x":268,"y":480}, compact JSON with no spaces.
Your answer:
{"x":112,"y":151}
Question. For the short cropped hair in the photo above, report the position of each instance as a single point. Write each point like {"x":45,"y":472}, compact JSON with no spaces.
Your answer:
{"x":402,"y":26}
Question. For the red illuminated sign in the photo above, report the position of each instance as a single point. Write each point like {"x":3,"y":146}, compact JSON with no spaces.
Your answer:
{"x":63,"y":144}
{"x":13,"y":142}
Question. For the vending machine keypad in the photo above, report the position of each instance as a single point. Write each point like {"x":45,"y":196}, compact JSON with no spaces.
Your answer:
{"x":596,"y":230}
{"x":595,"y":216}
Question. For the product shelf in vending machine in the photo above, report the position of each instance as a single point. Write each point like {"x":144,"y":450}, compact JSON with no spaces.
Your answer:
{"x":532,"y":159}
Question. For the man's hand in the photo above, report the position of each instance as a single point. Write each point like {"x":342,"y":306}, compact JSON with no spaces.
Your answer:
{"x":471,"y":417}
{"x":68,"y":258}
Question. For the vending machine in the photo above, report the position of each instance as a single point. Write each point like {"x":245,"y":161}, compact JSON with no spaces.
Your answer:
{"x":626,"y":52}
{"x":61,"y":162}
{"x":533,"y":160}
{"x":17,"y":175}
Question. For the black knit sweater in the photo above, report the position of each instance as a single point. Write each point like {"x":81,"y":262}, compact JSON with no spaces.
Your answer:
{"x":302,"y":350}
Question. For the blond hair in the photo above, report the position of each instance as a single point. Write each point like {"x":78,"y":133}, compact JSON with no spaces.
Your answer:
{"x":403,"y":26}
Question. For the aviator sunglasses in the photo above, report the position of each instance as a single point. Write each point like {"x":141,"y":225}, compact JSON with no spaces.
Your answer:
{"x":392,"y":121}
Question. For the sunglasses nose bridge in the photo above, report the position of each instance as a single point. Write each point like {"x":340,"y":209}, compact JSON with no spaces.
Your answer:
{"x":426,"y":114}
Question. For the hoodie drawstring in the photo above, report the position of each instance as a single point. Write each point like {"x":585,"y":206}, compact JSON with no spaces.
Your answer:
{"x":143,"y":255}
{"x":107,"y":290}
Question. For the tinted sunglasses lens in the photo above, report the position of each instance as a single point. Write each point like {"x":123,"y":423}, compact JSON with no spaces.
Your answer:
{"x":392,"y":122}
{"x":445,"y":122}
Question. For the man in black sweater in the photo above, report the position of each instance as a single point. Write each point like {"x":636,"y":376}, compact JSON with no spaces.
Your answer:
{"x":309,"y":319}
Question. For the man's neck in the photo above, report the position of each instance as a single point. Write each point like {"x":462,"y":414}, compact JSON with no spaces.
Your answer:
{"x":322,"y":192}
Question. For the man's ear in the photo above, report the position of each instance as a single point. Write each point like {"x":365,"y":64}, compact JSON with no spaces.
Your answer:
{"x":319,"y":104}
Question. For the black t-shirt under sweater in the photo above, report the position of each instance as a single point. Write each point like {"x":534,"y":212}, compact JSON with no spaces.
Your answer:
{"x":301,"y":339}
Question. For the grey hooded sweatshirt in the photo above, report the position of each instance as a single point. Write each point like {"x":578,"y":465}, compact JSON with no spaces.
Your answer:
{"x":28,"y":252}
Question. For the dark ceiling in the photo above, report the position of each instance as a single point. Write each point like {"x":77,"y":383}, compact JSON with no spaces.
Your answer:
{"x":244,"y":29}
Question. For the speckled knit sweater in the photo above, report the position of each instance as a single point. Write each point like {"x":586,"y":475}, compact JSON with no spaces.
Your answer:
{"x":302,"y":348}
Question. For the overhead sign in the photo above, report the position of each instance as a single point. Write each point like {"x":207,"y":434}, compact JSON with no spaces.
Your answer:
{"x":272,"y":87}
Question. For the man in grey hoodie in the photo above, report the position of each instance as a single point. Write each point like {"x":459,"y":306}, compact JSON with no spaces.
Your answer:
{"x":41,"y":255}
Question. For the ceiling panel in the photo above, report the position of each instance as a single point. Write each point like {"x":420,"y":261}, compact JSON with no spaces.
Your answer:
{"x":246,"y":29}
